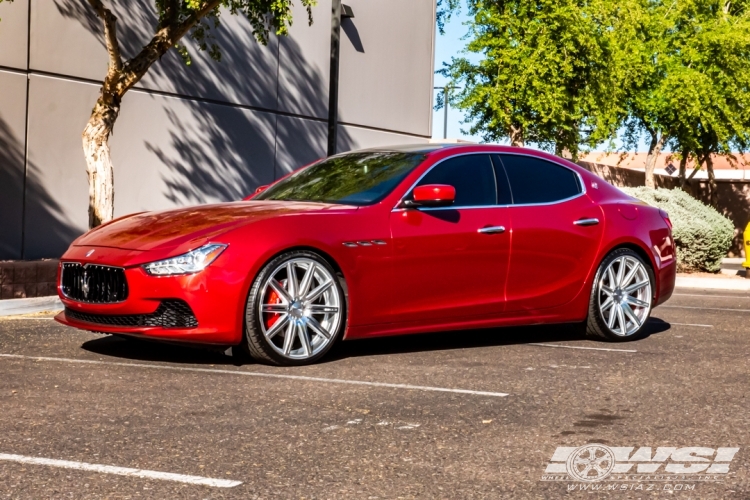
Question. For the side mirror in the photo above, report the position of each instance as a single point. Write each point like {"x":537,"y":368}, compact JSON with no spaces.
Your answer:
{"x":433,"y":195}
{"x":260,"y":188}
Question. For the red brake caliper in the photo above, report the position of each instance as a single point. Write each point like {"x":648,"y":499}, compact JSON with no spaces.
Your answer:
{"x":273,"y":298}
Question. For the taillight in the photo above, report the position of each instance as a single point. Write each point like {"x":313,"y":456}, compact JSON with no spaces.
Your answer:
{"x":665,"y":216}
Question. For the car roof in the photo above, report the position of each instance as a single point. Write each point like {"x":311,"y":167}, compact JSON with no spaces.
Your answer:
{"x":412,"y":148}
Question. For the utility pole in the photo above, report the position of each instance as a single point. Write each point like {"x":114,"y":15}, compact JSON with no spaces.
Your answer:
{"x":338,"y":11}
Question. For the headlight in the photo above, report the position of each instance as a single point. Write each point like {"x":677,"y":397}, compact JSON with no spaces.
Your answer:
{"x":191,"y":262}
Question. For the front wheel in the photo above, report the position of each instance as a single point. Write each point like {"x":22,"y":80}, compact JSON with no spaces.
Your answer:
{"x":621,"y":297}
{"x":295,"y":311}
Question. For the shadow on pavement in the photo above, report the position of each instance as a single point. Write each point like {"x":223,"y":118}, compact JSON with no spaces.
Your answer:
{"x":145,"y":350}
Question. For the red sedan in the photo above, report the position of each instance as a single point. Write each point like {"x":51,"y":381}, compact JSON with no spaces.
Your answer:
{"x":379,"y":242}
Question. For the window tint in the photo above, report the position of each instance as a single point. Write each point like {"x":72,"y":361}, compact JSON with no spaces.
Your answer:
{"x":533,"y":180}
{"x":471,"y":175}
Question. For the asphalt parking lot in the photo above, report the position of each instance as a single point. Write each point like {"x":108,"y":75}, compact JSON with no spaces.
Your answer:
{"x":459,"y":415}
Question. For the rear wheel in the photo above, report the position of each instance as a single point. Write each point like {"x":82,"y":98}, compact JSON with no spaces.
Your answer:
{"x":621,"y":298}
{"x":295,"y":310}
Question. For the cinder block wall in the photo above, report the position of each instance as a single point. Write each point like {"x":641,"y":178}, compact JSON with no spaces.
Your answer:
{"x":189,"y":135}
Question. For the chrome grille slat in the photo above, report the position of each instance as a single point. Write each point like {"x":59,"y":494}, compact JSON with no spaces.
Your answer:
{"x":93,"y":284}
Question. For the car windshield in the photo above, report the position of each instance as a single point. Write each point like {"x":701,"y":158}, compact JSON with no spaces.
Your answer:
{"x":352,"y":179}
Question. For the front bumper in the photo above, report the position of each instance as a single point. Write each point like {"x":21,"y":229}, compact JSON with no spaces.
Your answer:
{"x":215,"y":297}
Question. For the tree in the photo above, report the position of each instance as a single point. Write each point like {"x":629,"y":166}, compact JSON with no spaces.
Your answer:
{"x":649,"y":105}
{"x":691,"y":88}
{"x":177,"y":18}
{"x":709,"y":81}
{"x":551,"y":71}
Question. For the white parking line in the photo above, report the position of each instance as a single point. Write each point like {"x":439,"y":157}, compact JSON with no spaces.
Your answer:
{"x":257,"y":374}
{"x":586,"y":348}
{"x":122,"y":471}
{"x":709,"y":296}
{"x":705,"y":308}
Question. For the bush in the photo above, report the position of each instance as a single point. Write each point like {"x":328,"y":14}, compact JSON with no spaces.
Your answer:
{"x":702,"y":235}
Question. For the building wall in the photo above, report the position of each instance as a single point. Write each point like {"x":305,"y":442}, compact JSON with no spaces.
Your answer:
{"x":193,"y":134}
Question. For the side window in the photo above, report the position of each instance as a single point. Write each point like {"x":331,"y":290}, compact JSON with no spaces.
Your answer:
{"x":533,"y":180}
{"x":471,"y":175}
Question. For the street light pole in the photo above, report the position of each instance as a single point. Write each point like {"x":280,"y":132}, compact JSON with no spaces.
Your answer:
{"x":338,"y":10}
{"x":445,"y":89}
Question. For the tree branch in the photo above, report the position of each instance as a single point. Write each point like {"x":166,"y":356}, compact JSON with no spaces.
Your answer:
{"x":188,"y":23}
{"x":163,"y":40}
{"x":110,"y":35}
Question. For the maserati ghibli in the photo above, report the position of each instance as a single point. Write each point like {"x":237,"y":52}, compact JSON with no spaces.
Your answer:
{"x":386,"y":241}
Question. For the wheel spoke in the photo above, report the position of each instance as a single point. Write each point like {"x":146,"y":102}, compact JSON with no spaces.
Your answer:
{"x":279,"y":290}
{"x":318,"y":291}
{"x":313,"y":323}
{"x":630,"y":314}
{"x":636,"y":286}
{"x":636,"y":302}
{"x":291,"y":280}
{"x":289,"y":338}
{"x":621,"y":320}
{"x":611,"y":319}
{"x":631,"y":274}
{"x":277,"y":327}
{"x":621,"y":270}
{"x":607,"y":290}
{"x":275,"y":308}
{"x":304,"y":340}
{"x":322,"y":309}
{"x":611,"y":277}
{"x":304,"y":286}
{"x":607,"y":304}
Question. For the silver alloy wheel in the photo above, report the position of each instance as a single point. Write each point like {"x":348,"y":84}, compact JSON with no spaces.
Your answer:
{"x":625,"y":295}
{"x":300,"y":308}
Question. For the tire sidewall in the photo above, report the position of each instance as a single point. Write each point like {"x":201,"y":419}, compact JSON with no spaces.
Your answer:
{"x":595,"y":313}
{"x":251,"y":317}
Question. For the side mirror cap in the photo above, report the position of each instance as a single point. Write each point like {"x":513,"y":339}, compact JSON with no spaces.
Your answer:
{"x":260,"y":189}
{"x":433,"y":195}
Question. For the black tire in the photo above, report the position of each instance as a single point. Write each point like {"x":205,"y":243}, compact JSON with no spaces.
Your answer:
{"x":596,"y":323}
{"x":255,"y":342}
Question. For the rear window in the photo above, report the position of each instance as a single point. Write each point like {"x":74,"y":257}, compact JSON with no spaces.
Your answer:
{"x":533,"y":180}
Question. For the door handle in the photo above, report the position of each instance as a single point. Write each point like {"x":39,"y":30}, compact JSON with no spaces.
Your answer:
{"x":586,"y":222}
{"x":491,"y":230}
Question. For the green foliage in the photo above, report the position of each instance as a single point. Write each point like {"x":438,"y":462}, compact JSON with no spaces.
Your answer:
{"x":702,"y":235}
{"x":264,"y":16}
{"x":551,"y":70}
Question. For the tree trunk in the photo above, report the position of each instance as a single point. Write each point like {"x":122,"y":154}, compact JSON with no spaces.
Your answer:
{"x":711,"y":179}
{"x":683,"y":168}
{"x":516,"y":136}
{"x":98,"y":160}
{"x":654,"y":150}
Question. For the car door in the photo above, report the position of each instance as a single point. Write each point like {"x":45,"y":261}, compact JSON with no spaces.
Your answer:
{"x":557,"y":230}
{"x":452,"y":262}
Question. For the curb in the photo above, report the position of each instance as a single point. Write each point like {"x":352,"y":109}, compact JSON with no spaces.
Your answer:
{"x":12,"y":307}
{"x":742,"y":285}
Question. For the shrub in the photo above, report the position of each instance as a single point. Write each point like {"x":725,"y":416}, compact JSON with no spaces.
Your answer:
{"x":702,"y":235}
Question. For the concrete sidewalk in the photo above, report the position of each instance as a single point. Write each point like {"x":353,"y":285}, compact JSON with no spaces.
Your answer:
{"x":12,"y":307}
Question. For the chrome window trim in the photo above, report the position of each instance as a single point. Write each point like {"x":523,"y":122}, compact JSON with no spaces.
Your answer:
{"x":581,"y":184}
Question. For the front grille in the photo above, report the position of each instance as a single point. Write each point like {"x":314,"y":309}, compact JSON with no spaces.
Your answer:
{"x":93,"y":284}
{"x":170,"y":314}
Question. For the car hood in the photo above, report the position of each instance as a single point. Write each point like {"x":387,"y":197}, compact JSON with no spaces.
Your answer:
{"x":192,"y":225}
